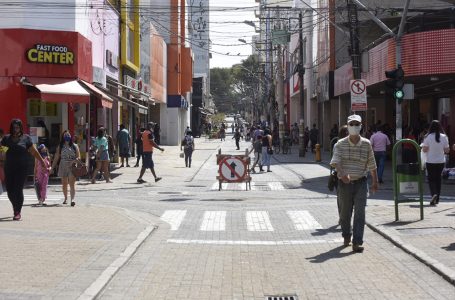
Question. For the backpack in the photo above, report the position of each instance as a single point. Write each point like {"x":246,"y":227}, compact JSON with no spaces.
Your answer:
{"x":188,"y":142}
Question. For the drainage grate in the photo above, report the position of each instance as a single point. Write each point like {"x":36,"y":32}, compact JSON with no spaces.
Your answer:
{"x":282,"y":297}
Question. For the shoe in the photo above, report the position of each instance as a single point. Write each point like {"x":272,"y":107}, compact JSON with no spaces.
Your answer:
{"x":357,"y":248}
{"x":64,"y":202}
{"x":121,"y":166}
{"x":128,"y":166}
{"x":380,"y":181}
{"x":40,"y":202}
{"x":269,"y":170}
{"x":140,"y":180}
{"x":347,"y":241}
{"x":73,"y":203}
{"x":433,"y":200}
{"x":136,"y":166}
{"x":437,"y":200}
{"x":17,"y":217}
{"x":93,"y":181}
{"x":253,"y":171}
{"x":110,"y":181}
{"x":158,"y":179}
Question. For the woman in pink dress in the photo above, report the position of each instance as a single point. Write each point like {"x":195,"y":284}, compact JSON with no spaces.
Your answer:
{"x":42,"y":174}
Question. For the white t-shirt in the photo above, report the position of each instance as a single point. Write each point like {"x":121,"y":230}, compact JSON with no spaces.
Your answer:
{"x":435,"y":154}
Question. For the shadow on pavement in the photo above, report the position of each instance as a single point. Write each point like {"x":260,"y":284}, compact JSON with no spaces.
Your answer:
{"x":331,"y":254}
{"x":400,"y":223}
{"x":324,"y":231}
{"x":451,"y":247}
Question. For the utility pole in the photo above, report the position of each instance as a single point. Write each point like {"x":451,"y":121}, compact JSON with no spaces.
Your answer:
{"x":353,"y":21}
{"x":301,"y":71}
{"x":280,"y":93}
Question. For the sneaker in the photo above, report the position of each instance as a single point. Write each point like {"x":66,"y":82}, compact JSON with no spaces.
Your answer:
{"x":433,"y":200}
{"x":357,"y":248}
{"x":158,"y":179}
{"x":140,"y":180}
{"x":17,"y":217}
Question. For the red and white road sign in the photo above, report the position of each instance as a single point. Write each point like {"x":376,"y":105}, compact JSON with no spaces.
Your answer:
{"x":232,"y":169}
{"x":358,"y":89}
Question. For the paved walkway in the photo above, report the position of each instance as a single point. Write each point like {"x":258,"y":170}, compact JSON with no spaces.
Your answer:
{"x":63,"y":252}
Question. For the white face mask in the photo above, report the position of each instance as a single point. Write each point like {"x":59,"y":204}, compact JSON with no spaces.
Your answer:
{"x":354,"y":130}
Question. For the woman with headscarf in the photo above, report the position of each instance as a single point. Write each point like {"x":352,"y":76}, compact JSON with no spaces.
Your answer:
{"x":67,"y":153}
{"x":435,"y":145}
{"x":19,"y":145}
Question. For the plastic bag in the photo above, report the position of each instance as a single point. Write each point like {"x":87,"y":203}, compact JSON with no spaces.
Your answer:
{"x":423,"y":158}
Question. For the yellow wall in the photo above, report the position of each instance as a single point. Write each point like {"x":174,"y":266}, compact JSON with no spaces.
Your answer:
{"x":129,"y":23}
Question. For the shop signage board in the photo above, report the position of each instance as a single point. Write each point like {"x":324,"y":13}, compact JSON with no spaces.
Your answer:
{"x":358,"y":89}
{"x":50,"y":54}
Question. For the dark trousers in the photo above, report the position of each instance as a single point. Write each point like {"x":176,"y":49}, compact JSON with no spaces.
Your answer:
{"x":139,"y":155}
{"x":434,"y":178}
{"x":353,"y":197}
{"x":188,"y":156}
{"x":237,"y":143}
{"x":14,"y":181}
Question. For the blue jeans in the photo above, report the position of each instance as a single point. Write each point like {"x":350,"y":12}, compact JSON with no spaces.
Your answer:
{"x":380,"y":156}
{"x":353,"y":196}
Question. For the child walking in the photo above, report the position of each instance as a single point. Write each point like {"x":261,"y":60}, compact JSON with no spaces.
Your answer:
{"x":42,"y":174}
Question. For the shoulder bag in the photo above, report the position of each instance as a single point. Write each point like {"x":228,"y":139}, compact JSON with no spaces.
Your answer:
{"x":79,"y":169}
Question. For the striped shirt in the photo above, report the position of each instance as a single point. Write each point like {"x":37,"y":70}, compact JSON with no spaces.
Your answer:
{"x":355,"y":159}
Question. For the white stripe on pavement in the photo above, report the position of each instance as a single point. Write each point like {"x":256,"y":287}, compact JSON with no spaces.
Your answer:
{"x":28,"y":198}
{"x":275,"y":186}
{"x":303,"y":220}
{"x":174,"y":218}
{"x":258,"y":221}
{"x":255,"y":243}
{"x":214,"y":221}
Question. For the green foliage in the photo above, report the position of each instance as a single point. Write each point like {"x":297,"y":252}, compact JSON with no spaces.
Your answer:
{"x":218,"y":118}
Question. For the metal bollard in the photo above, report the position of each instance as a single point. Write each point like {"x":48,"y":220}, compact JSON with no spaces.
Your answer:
{"x":317,"y":153}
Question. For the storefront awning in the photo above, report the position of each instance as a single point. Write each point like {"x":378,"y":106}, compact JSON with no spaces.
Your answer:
{"x":58,"y":89}
{"x":141,"y":108}
{"x":106,"y":101}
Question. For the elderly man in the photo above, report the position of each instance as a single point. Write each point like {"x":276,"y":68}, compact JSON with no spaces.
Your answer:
{"x":353,"y":157}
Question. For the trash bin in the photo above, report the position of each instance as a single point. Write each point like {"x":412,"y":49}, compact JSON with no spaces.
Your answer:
{"x":408,"y":176}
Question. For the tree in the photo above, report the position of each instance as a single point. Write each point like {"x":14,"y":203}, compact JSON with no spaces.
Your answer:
{"x":220,"y":88}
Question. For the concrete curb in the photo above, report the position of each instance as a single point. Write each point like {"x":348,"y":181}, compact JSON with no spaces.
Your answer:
{"x":447,"y":273}
{"x":94,"y":290}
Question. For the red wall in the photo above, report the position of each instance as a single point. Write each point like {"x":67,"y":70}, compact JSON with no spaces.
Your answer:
{"x":14,"y":65}
{"x":16,"y":42}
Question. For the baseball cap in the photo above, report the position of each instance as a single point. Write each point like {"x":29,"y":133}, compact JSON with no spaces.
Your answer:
{"x":356,"y":118}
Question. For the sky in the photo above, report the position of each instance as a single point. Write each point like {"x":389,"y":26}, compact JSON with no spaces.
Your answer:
{"x":227,"y":27}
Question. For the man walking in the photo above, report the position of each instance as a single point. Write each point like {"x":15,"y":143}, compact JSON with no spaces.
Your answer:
{"x":379,"y":141}
{"x":352,"y":158}
{"x":123,"y":140}
{"x":147,"y":147}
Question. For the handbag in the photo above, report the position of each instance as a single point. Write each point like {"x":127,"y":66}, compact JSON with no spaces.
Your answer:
{"x":181,"y":155}
{"x":79,"y":169}
{"x":269,"y":150}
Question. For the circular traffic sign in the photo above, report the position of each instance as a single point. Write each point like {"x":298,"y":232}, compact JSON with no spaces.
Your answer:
{"x":358,"y":87}
{"x":232,"y":169}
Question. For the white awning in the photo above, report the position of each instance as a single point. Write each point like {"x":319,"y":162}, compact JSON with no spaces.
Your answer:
{"x":59,"y":89}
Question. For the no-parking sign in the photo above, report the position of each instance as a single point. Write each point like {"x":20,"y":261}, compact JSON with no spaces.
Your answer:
{"x":358,"y":89}
{"x":232,"y":169}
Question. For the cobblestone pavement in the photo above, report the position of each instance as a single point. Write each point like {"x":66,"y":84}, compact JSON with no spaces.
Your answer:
{"x":279,"y":238}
